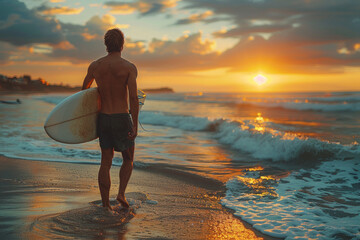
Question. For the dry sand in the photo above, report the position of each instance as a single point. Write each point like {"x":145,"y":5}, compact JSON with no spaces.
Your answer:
{"x":52,"y":200}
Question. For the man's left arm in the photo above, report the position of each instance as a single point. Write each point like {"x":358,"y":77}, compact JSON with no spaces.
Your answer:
{"x":89,"y":78}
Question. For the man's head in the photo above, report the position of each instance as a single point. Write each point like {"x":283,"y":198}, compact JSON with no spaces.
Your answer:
{"x":114,"y":40}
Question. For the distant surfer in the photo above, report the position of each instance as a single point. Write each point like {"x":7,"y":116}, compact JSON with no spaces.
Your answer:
{"x":115,"y":78}
{"x":11,"y":102}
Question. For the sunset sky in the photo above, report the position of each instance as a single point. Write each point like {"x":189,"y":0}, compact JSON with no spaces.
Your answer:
{"x":190,"y":45}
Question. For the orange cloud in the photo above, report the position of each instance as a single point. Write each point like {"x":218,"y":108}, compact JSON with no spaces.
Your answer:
{"x":88,"y":36}
{"x":49,"y":63}
{"x":188,"y":52}
{"x":197,"y":17}
{"x":184,"y":44}
{"x":200,"y":16}
{"x":62,"y":11}
{"x":98,"y":26}
{"x":64,"y":45}
{"x":142,"y":6}
{"x":122,"y":9}
{"x":134,"y":48}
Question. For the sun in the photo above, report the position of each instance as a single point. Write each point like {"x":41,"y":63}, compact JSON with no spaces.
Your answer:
{"x":260,"y":79}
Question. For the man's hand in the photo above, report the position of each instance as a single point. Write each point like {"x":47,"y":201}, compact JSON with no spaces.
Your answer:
{"x":133,"y":133}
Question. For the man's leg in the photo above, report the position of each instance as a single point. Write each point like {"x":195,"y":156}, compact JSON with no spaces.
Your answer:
{"x":104,"y":175}
{"x":125,"y":173}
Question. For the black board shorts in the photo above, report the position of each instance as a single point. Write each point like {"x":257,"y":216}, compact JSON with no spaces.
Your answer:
{"x":113,"y":131}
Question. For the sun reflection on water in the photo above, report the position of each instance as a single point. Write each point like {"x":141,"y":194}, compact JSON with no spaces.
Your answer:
{"x":253,"y":169}
{"x":254,"y":185}
{"x":259,"y":123}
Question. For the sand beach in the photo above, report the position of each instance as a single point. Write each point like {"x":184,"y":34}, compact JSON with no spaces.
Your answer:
{"x":52,"y":200}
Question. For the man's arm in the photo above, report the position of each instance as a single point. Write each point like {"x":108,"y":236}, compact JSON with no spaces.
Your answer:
{"x":134,"y":101}
{"x":89,"y":78}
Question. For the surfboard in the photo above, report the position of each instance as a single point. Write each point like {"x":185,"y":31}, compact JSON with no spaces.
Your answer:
{"x":73,"y":120}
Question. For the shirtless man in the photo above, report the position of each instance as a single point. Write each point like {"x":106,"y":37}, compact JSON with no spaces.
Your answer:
{"x":115,"y":78}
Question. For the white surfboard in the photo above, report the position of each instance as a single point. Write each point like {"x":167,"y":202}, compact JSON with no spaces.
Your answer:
{"x":73,"y":120}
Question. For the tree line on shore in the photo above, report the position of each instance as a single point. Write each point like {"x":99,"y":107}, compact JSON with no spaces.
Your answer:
{"x":26,"y":83}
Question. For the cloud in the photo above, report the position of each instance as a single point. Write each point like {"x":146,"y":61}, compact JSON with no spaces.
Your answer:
{"x":85,"y":41}
{"x":188,"y":52}
{"x":12,"y":55}
{"x":240,"y":31}
{"x":145,"y":7}
{"x":184,"y":45}
{"x":99,"y":25}
{"x":59,"y":10}
{"x":6,"y":50}
{"x":21,"y":26}
{"x":288,"y":36}
{"x":47,"y":37}
{"x":273,"y":36}
{"x":197,"y":17}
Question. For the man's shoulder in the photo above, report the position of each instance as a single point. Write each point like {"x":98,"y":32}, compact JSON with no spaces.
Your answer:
{"x":96,"y":62}
{"x":130,"y":64}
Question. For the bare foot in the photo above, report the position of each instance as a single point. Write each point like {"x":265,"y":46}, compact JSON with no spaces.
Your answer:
{"x":122,"y":200}
{"x":108,"y":207}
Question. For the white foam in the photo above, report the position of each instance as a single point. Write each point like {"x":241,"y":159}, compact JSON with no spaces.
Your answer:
{"x":252,"y":138}
{"x":338,"y":107}
{"x":51,"y":99}
{"x":176,"y":121}
{"x":310,"y":204}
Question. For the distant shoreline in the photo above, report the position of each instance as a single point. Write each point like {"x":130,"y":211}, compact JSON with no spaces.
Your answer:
{"x":25,"y":92}
{"x":26,"y":84}
{"x":74,"y":89}
{"x":159,"y":90}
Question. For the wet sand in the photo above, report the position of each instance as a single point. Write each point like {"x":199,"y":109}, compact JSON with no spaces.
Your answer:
{"x":48,"y":200}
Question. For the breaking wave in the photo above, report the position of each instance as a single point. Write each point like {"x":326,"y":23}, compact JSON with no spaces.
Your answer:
{"x":254,"y":139}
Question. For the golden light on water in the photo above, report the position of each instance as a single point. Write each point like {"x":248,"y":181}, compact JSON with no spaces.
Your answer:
{"x":260,"y":79}
{"x":259,"y":123}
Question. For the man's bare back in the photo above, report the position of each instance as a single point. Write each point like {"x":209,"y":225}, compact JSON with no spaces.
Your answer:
{"x":113,"y":75}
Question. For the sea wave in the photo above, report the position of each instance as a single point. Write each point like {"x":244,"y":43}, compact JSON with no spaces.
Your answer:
{"x":51,"y":99}
{"x":254,"y":139}
{"x":308,"y":204}
{"x":344,"y":97}
{"x":308,"y":106}
{"x":322,"y":104}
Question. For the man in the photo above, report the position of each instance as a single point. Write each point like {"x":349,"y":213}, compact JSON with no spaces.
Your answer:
{"x":115,"y":78}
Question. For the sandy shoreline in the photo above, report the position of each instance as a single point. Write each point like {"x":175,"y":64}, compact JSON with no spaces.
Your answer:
{"x":42,"y":200}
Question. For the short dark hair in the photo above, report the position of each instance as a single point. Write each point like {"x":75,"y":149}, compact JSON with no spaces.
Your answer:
{"x":114,"y":40}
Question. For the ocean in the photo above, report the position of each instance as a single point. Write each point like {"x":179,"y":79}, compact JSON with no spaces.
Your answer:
{"x":290,"y":161}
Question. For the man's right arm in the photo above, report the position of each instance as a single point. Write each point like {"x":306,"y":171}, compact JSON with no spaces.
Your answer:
{"x":134,"y":101}
{"x":89,"y":78}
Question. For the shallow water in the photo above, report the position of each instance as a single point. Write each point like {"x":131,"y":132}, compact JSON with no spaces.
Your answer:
{"x":92,"y":221}
{"x":290,"y":161}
